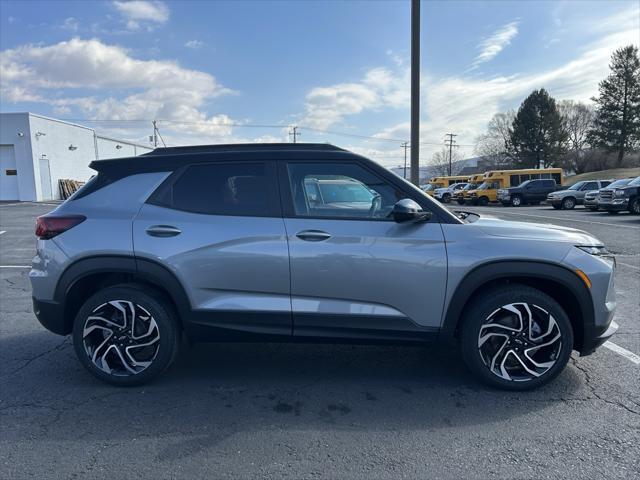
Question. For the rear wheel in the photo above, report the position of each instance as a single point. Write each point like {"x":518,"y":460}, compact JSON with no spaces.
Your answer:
{"x":568,"y":203}
{"x":634,"y":206}
{"x":126,"y":335}
{"x":516,"y":338}
{"x":516,"y":201}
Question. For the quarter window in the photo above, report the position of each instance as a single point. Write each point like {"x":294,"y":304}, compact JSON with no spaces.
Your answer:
{"x":243,"y":189}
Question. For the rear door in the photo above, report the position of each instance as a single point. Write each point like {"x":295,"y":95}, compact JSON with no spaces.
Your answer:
{"x":354,"y":271}
{"x":218,"y":228}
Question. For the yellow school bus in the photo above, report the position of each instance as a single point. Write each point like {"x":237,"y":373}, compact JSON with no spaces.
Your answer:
{"x":473,"y":182}
{"x":441,"y":182}
{"x":494,"y":180}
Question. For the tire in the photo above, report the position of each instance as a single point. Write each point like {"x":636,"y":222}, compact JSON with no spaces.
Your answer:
{"x":612,"y":212}
{"x":634,"y":206}
{"x":507,"y":373}
{"x":568,"y":203}
{"x":592,"y":209}
{"x":483,"y":201}
{"x":460,"y":201}
{"x":446,"y":198}
{"x":146,"y":350}
{"x":516,"y":201}
{"x":557,"y":207}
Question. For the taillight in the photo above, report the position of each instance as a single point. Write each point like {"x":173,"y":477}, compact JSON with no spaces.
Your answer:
{"x":48,"y":226}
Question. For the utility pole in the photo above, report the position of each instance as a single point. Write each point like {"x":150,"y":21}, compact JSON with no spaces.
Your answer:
{"x":155,"y":135}
{"x":294,"y":133}
{"x":450,"y":142}
{"x":405,"y":145}
{"x":415,"y":91}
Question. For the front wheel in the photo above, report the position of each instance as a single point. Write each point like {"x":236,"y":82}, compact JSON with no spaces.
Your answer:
{"x":568,"y":203}
{"x":126,"y":335}
{"x":460,"y":201}
{"x":516,"y":338}
{"x":446,"y":198}
{"x":483,"y":201}
{"x":516,"y":201}
{"x":634,"y":206}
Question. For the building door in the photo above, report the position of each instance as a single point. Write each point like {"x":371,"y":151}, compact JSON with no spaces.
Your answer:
{"x":45,"y":179}
{"x":8,"y":173}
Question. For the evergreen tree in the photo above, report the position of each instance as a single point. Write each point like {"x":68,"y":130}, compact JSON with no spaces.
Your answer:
{"x":537,"y":133}
{"x":617,"y":122}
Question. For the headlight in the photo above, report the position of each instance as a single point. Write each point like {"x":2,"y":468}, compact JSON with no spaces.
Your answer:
{"x":619,"y":193}
{"x":598,"y":251}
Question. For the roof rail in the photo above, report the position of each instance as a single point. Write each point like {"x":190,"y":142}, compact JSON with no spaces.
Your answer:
{"x":236,"y":147}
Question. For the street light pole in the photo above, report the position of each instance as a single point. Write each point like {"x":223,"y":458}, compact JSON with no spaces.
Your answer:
{"x":415,"y":91}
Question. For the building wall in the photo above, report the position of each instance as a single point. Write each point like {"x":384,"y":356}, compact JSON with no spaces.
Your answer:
{"x":66,"y":148}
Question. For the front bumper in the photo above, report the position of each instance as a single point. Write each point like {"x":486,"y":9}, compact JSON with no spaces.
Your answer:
{"x":616,"y":205}
{"x":596,"y":338}
{"x":590,"y":203}
{"x":51,"y":316}
{"x":554,"y":200}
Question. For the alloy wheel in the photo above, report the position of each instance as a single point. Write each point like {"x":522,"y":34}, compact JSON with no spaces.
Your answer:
{"x":516,"y":201}
{"x":519,"y":342}
{"x":121,"y":338}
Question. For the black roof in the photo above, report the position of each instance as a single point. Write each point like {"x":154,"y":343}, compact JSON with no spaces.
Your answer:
{"x":170,"y":158}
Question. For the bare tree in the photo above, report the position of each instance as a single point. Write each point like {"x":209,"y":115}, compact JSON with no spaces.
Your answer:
{"x":577,"y":120}
{"x":440,"y":162}
{"x":493,"y":145}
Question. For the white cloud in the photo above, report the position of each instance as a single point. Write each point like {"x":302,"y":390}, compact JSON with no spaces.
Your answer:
{"x":142,"y":13}
{"x":70,"y":24}
{"x":194,"y":44}
{"x":105,"y":82}
{"x":380,"y":87}
{"x":495,"y":43}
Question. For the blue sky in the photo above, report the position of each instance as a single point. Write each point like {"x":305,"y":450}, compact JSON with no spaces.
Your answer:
{"x":220,"y":67}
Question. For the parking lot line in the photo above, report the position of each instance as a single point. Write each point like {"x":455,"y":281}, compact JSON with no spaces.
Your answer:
{"x":622,"y":351}
{"x":2,"y":231}
{"x":570,"y":220}
{"x":15,"y":266}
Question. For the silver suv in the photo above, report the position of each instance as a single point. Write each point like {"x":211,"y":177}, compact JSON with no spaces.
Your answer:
{"x":574,"y":195}
{"x":230,"y":243}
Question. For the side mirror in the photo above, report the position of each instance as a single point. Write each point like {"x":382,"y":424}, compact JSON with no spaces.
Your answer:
{"x":406,"y":210}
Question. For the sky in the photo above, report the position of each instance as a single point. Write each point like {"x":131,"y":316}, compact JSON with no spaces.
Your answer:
{"x":246,"y":71}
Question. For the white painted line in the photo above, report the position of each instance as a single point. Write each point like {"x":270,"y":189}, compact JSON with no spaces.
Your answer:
{"x":567,"y":219}
{"x":2,"y":231}
{"x":622,"y":351}
{"x":15,"y":266}
{"x":9,"y":204}
{"x":627,"y":265}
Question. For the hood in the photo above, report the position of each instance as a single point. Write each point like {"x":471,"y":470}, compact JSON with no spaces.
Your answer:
{"x":534,"y":231}
{"x":561,"y":192}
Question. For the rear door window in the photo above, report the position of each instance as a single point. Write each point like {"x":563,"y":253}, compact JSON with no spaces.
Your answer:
{"x":240,"y":189}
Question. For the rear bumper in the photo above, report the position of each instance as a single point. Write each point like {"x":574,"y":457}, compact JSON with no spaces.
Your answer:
{"x":51,"y":316}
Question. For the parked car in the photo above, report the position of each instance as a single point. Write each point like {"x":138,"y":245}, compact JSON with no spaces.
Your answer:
{"x":591,"y":198}
{"x":531,"y":191}
{"x":446,"y":194}
{"x":574,"y":195}
{"x":618,"y":199}
{"x":230,"y":243}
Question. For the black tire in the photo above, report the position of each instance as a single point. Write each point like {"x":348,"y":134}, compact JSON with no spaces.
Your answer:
{"x":557,"y":207}
{"x":484,"y":308}
{"x":460,"y":201}
{"x":483,"y":201}
{"x":153,"y":309}
{"x":446,"y":198}
{"x":592,"y":209}
{"x":634,"y":206}
{"x":516,"y":201}
{"x":612,"y":212}
{"x":568,"y":203}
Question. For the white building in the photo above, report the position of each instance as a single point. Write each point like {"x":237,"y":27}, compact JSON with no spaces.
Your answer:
{"x":36,"y":151}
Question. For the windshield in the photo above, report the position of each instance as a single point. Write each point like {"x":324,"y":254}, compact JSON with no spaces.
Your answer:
{"x":526,"y":182}
{"x":484,"y":186}
{"x":470,"y":186}
{"x":576,"y":186}
{"x":620,"y":183}
{"x":338,"y":193}
{"x":635,"y":181}
{"x":429,"y":187}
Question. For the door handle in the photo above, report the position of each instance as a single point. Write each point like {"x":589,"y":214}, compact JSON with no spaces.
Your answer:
{"x":163,"y":231}
{"x":313,"y":235}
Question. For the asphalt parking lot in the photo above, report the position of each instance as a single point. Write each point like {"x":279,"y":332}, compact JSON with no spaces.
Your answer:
{"x":315,"y":411}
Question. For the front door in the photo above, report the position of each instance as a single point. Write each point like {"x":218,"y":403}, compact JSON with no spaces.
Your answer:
{"x":218,"y":227}
{"x":354,"y":271}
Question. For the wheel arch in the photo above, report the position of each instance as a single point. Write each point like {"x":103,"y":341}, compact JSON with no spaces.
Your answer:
{"x":557,"y":281}
{"x":86,"y":276}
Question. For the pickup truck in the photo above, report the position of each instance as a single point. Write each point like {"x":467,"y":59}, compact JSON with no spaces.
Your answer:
{"x":568,"y":198}
{"x":617,"y":199}
{"x":530,"y":191}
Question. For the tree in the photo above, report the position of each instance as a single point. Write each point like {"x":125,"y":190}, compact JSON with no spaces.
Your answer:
{"x":617,"y":122}
{"x":537,"y":136}
{"x":493,"y":145}
{"x":577,"y":120}
{"x":440,"y":162}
